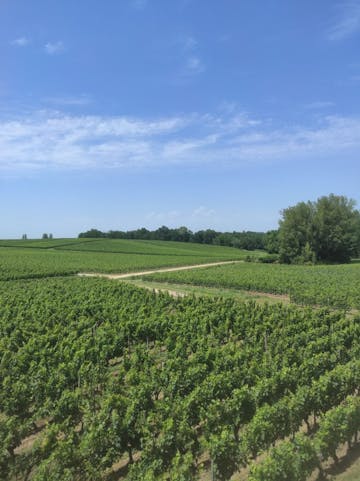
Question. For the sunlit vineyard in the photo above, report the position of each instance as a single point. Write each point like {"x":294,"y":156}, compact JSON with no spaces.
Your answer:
{"x":334,"y":285}
{"x":50,"y":258}
{"x":101,"y":379}
{"x":180,"y":242}
{"x":134,"y":246}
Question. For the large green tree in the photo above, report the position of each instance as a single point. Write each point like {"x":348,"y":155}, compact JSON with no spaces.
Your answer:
{"x":327,"y":230}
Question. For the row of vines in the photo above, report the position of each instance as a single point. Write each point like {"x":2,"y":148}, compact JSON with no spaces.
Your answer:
{"x":36,"y":263}
{"x":336,"y":286}
{"x":101,"y":380}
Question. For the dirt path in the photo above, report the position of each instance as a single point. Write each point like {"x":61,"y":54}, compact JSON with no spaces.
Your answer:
{"x":182,"y":291}
{"x":169,"y":291}
{"x":279,"y":297}
{"x":154,"y":271}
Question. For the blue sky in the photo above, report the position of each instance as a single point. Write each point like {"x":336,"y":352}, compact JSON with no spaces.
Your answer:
{"x":206,"y":113}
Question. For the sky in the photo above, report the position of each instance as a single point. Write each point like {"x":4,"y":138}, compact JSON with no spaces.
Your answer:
{"x":211,"y":114}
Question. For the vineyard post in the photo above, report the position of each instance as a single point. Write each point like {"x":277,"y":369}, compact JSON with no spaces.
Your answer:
{"x":96,"y":349}
{"x":213,"y":476}
{"x":265,"y":342}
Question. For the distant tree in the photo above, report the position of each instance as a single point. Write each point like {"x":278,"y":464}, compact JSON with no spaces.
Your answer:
{"x":142,"y":233}
{"x":45,"y":236}
{"x":337,"y":228}
{"x":271,"y":241}
{"x":181,"y":234}
{"x":326,"y":230}
{"x":204,"y":236}
{"x":50,"y":236}
{"x":242,"y":240}
{"x":114,"y":234}
{"x":297,"y":232}
{"x":92,"y":233}
{"x":223,"y":239}
{"x":163,"y":233}
{"x":24,"y":237}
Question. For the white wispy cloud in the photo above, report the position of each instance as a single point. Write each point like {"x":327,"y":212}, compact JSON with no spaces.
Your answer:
{"x":139,"y":4}
{"x":167,"y":216}
{"x":347,"y":22}
{"x":319,"y":105}
{"x":52,"y":140}
{"x":174,"y":216}
{"x":203,"y":211}
{"x":189,"y":43}
{"x":53,"y":48}
{"x":194,"y":65}
{"x":68,"y":101}
{"x":20,"y":42}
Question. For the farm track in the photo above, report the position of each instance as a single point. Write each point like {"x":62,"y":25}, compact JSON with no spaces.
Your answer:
{"x":155,"y":271}
{"x":182,"y":291}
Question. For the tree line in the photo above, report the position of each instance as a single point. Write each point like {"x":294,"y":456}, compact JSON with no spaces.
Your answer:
{"x":243,"y":240}
{"x":325,"y":230}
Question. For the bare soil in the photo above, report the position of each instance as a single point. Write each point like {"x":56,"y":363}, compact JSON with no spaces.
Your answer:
{"x":279,"y":297}
{"x":153,"y":271}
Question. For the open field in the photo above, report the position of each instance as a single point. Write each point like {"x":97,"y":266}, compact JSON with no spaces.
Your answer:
{"x":47,"y":258}
{"x":334,"y":286}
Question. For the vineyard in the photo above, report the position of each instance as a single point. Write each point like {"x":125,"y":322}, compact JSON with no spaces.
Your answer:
{"x":124,"y":246}
{"x":102,"y":380}
{"x":46,"y":258}
{"x":335,"y":286}
{"x":203,"y":322}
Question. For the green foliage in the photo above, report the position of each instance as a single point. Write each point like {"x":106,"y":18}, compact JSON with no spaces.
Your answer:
{"x":242,"y":240}
{"x":96,"y":372}
{"x":326,"y":230}
{"x":293,"y":461}
{"x":333,"y":286}
{"x":223,"y":452}
{"x":338,"y":426}
{"x":49,"y":258}
{"x":271,"y":242}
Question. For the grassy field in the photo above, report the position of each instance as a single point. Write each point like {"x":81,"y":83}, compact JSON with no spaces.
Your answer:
{"x":70,"y":256}
{"x":334,"y":286}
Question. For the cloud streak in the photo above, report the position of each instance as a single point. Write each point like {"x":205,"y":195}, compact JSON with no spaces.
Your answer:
{"x":139,"y":4}
{"x":54,"y":48}
{"x":203,"y":212}
{"x":49,"y":140}
{"x":68,"y":101}
{"x":319,"y":105}
{"x":348,"y":23}
{"x":194,"y":65}
{"x":20,"y":42}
